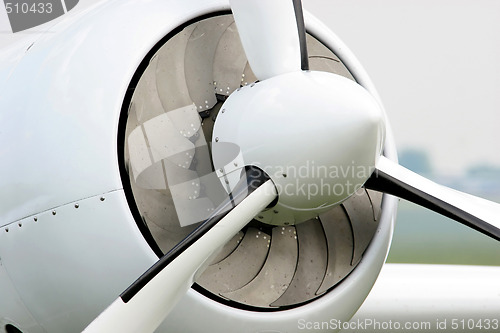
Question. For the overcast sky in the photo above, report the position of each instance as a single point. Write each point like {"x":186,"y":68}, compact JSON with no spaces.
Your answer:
{"x":434,"y":63}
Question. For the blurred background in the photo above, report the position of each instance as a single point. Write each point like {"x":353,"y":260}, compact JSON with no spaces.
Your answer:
{"x":435,"y":65}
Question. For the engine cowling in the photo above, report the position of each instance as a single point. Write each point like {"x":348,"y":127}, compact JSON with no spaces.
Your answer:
{"x":113,"y":148}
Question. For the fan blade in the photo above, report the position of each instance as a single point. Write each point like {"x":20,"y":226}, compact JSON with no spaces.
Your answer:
{"x":229,"y":62}
{"x":340,"y":242}
{"x":170,"y":76}
{"x":272,"y":34}
{"x":360,"y":212}
{"x":198,"y":70}
{"x":311,"y":265}
{"x":276,"y":274}
{"x":228,"y":249}
{"x":375,"y":200}
{"x":144,"y":305}
{"x":239,"y":268}
{"x":474,"y":212}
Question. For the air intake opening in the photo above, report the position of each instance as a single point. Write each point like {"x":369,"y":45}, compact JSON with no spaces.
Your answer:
{"x":172,"y":185}
{"x":12,"y":329}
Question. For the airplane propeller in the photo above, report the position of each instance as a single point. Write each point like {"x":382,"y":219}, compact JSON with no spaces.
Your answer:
{"x":474,"y":212}
{"x":274,"y":37}
{"x":144,"y":305}
{"x":290,"y":117}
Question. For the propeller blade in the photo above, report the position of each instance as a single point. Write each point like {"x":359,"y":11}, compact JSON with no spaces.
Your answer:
{"x":474,"y":212}
{"x":272,"y":34}
{"x":146,"y":303}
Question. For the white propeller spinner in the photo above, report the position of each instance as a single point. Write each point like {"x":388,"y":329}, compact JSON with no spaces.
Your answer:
{"x":317,"y":135}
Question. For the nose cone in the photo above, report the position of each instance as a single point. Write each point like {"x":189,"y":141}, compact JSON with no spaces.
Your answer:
{"x":317,"y":135}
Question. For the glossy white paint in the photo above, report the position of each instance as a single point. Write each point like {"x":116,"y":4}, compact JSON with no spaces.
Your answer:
{"x":67,"y":267}
{"x":63,"y":99}
{"x":317,"y":135}
{"x":269,"y":35}
{"x":9,"y":57}
{"x":60,"y":108}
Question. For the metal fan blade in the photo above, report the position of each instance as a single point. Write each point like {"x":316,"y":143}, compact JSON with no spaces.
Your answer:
{"x":170,"y":77}
{"x":277,"y":273}
{"x":375,"y":199}
{"x":228,"y":248}
{"x":229,"y":60}
{"x":311,"y":266}
{"x":239,"y":268}
{"x":340,"y":247}
{"x":166,"y":141}
{"x":188,"y":123}
{"x":146,"y":98}
{"x":323,"y":59}
{"x":360,"y":212}
{"x":476,"y":213}
{"x":198,"y":70}
{"x":248,"y":76}
{"x":272,"y":34}
{"x":147,"y":146}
